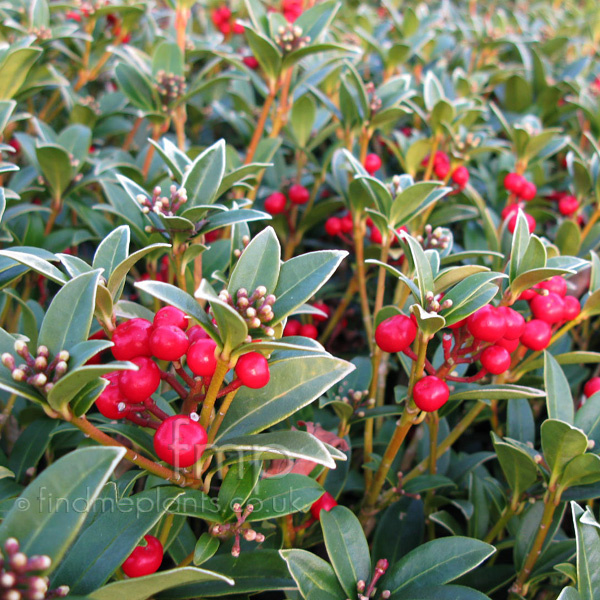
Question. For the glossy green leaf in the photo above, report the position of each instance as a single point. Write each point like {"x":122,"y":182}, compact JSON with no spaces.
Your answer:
{"x":205,"y":548}
{"x":588,"y":554}
{"x":519,"y":468}
{"x":203,"y":177}
{"x":559,"y":401}
{"x":561,"y":443}
{"x":237,"y":486}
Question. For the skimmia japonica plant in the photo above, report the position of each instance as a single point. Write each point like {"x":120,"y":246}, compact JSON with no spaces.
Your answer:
{"x":299,"y":300}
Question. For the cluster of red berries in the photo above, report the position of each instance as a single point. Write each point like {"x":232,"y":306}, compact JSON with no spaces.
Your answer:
{"x":224,"y":21}
{"x":276,"y":203}
{"x":179,"y":439}
{"x":294,"y":327}
{"x":341,"y":225}
{"x":568,"y":205}
{"x":520,"y":190}
{"x":441,"y":168}
{"x":292,"y":9}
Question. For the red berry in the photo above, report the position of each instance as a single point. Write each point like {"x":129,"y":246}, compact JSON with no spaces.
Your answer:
{"x":139,"y":385}
{"x":556,"y":284}
{"x":528,"y":191}
{"x":396,"y":333}
{"x":515,"y":323}
{"x":487,"y":324}
{"x":320,"y":305}
{"x":292,"y":327}
{"x":201,"y":358}
{"x":507,"y":211}
{"x":458,"y":324}
{"x":550,"y":308}
{"x":225,"y":28}
{"x":14,"y":142}
{"x":73,"y":15}
{"x":180,"y":441}
{"x":510,"y":345}
{"x":144,"y":560}
{"x":527,"y":294}
{"x":168,"y":342}
{"x":169,"y":315}
{"x":333,"y":226}
{"x":309,"y":331}
{"x":536,"y":335}
{"x":326,"y":502}
{"x":250,"y":62}
{"x":132,"y":339}
{"x":372,"y":163}
{"x":196,"y":333}
{"x":109,"y":400}
{"x":441,"y":169}
{"x":495,"y":359}
{"x":275,"y":203}
{"x":347,"y":224}
{"x":430,"y":393}
{"x":513,"y":183}
{"x":298,"y":194}
{"x":376,"y":236}
{"x":568,"y":206}
{"x":591,"y":387}
{"x":512,"y":222}
{"x":252,"y":369}
{"x":238,"y":28}
{"x":572,"y":308}
{"x":460,"y":176}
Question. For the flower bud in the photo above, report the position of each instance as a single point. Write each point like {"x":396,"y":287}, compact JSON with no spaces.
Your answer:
{"x":43,"y":351}
{"x":20,"y":347}
{"x":39,"y":380}
{"x":8,"y":361}
{"x":11,"y":545}
{"x":19,"y":375}
{"x":63,"y":355}
{"x":18,"y":561}
{"x":41,"y":363}
{"x":61,"y":368}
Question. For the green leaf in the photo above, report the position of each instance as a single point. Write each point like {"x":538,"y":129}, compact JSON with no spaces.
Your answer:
{"x":494,"y":391}
{"x":258,"y":264}
{"x":275,"y":497}
{"x":205,"y":548}
{"x":582,"y":470}
{"x":112,"y":250}
{"x":69,"y":316}
{"x":143,"y":588}
{"x":30,"y":447}
{"x":435,"y":563}
{"x":312,"y":574}
{"x":420,"y":265}
{"x":280,"y":444}
{"x":301,"y":277}
{"x":561,"y":443}
{"x":588,"y":555}
{"x":347,"y":547}
{"x":445,"y":592}
{"x":303,"y":115}
{"x":37,"y":263}
{"x":45,"y":519}
{"x":194,"y":503}
{"x":103,"y":546}
{"x":138,"y":88}
{"x":559,"y":401}
{"x":295,"y":382}
{"x":203,"y":178}
{"x":237,"y":486}
{"x":519,"y":468}
{"x":167,"y":57}
{"x":56,"y":167}
{"x":266,"y":53}
{"x":15,"y":68}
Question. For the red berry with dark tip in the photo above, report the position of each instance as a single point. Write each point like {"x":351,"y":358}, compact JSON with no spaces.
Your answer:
{"x":132,"y":339}
{"x":195,"y":333}
{"x":495,"y":359}
{"x":568,"y":206}
{"x":513,"y":183}
{"x":395,"y":333}
{"x":510,"y":345}
{"x":556,"y":284}
{"x":528,"y":191}
{"x":252,"y":369}
{"x":180,"y":441}
{"x":168,"y":342}
{"x":550,"y":308}
{"x":169,"y":315}
{"x":515,"y":323}
{"x":326,"y":502}
{"x":292,"y":327}
{"x":460,"y":176}
{"x":298,"y":194}
{"x":591,"y":387}
{"x":536,"y":335}
{"x":309,"y":331}
{"x":333,"y":226}
{"x":487,"y":324}
{"x":201,"y":358}
{"x":144,"y":560}
{"x":372,"y":163}
{"x":139,"y":385}
{"x":572,"y":308}
{"x":275,"y":203}
{"x":430,"y":393}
